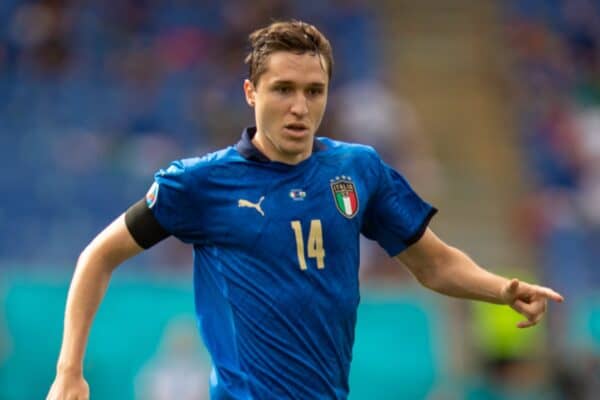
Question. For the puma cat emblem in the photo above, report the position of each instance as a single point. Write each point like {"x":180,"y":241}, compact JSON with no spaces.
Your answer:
{"x":249,"y":204}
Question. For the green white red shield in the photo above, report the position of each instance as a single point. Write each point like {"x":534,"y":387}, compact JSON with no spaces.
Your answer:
{"x":346,"y":199}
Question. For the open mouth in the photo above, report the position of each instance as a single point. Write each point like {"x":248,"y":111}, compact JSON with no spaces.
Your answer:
{"x":296,"y":128}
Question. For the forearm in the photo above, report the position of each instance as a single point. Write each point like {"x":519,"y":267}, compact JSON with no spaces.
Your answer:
{"x":449,"y":271}
{"x":92,"y":275}
{"x":456,"y":274}
{"x":88,"y":286}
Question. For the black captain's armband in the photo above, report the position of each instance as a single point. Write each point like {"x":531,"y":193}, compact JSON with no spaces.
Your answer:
{"x":143,"y":226}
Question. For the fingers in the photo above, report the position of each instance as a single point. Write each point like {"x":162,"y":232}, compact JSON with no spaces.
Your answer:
{"x":526,"y":324}
{"x":529,"y":300}
{"x":526,"y":291}
{"x":532,"y":311}
{"x":549,"y":294}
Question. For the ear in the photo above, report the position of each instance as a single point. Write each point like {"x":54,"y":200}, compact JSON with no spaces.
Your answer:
{"x":250,"y":92}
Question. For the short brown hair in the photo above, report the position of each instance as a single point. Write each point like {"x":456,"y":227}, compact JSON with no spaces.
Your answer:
{"x":295,"y":36}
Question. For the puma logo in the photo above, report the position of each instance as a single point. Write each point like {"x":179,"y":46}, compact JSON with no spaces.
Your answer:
{"x":246,"y":203}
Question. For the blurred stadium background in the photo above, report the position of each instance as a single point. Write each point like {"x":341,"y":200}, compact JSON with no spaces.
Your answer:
{"x":491,"y":108}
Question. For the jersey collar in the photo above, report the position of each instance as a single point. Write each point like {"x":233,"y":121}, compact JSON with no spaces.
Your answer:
{"x":247,"y":149}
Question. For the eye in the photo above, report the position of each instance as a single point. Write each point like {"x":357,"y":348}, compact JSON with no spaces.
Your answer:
{"x":315,"y":91}
{"x":283,"y":89}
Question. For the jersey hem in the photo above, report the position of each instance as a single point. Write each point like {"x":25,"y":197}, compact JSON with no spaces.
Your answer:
{"x":422,"y":228}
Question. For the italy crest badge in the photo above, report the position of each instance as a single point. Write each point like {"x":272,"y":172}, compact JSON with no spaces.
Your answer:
{"x":344,"y":194}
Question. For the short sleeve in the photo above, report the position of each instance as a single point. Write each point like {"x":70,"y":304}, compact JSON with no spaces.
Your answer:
{"x":169,"y":198}
{"x":396,"y":217}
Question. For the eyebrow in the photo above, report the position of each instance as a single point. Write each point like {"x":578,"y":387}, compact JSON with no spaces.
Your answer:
{"x":292,"y":83}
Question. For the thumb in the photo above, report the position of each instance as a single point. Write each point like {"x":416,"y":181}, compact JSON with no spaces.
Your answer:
{"x":509,"y":293}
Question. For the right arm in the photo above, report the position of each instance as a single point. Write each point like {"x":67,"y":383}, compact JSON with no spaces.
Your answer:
{"x":95,"y":265}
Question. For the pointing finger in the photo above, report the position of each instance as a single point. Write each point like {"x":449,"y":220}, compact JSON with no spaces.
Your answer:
{"x":550,"y":294}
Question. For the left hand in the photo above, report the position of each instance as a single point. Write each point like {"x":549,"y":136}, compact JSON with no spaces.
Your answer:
{"x":528,"y":300}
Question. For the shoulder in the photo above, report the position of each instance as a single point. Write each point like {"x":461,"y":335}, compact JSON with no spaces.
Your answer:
{"x":347,"y":150}
{"x":360,"y":161}
{"x":195,"y":168}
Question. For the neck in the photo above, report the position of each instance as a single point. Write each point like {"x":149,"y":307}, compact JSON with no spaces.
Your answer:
{"x":273,"y":152}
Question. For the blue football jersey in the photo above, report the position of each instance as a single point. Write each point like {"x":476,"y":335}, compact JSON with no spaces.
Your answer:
{"x":276,"y":254}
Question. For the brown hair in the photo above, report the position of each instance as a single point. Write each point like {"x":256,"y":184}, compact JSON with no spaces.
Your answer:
{"x":295,"y":36}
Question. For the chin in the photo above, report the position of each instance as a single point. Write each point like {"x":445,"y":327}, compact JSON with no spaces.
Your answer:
{"x":294,"y":152}
{"x":296,"y":146}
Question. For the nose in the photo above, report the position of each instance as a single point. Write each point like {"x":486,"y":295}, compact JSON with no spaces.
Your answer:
{"x":299,"y":106}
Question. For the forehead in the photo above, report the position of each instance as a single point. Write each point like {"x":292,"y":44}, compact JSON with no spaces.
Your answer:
{"x":305,"y":68}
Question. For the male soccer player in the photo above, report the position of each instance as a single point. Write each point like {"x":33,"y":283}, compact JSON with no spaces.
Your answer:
{"x":274,"y":222}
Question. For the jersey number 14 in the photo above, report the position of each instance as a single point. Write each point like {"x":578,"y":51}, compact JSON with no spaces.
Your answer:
{"x":314,"y":243}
